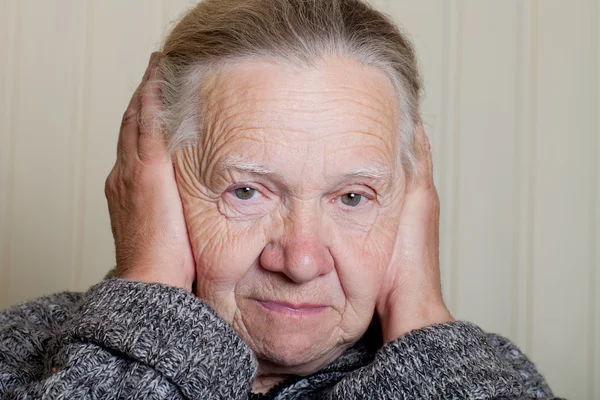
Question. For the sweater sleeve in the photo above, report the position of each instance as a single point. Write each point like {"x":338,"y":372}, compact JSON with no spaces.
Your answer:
{"x":446,"y":361}
{"x":136,"y":341}
{"x":534,"y":383}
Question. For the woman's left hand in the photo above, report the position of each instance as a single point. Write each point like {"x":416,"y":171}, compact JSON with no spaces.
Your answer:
{"x":411,"y":297}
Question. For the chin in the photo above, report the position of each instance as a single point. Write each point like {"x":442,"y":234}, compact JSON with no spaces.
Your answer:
{"x":294,"y":350}
{"x":297,"y":353}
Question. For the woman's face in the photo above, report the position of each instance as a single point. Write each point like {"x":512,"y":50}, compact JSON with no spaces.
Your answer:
{"x":292,"y":201}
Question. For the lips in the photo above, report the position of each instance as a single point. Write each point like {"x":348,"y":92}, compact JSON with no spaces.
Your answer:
{"x":292,"y":309}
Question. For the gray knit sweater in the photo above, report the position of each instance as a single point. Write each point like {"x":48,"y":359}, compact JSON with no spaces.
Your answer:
{"x":130,"y":340}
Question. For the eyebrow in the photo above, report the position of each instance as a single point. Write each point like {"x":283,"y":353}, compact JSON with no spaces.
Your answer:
{"x":375,"y":171}
{"x":239,"y":163}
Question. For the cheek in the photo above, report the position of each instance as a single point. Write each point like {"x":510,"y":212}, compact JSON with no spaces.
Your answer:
{"x":224,"y":251}
{"x":362,"y":259}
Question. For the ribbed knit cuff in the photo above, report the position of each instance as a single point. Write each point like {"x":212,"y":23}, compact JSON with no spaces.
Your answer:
{"x":168,"y":329}
{"x":451,"y":360}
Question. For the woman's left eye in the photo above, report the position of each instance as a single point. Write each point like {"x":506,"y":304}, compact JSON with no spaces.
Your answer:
{"x":351,"y":199}
{"x":244,"y":193}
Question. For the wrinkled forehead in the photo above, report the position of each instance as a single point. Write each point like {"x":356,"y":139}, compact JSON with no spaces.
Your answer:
{"x":336,"y":107}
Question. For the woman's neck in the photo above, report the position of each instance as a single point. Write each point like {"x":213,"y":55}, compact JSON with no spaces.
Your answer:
{"x":264,"y":383}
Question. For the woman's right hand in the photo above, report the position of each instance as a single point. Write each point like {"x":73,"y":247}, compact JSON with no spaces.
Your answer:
{"x":146,"y":214}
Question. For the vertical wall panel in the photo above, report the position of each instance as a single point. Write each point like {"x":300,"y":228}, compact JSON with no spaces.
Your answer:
{"x":562,"y":214}
{"x":485,"y":182}
{"x":40,"y":215}
{"x":595,"y":205}
{"x":447,"y":144}
{"x":79,"y":139}
{"x":523,"y":176}
{"x":124,"y":35}
{"x":8,"y":26}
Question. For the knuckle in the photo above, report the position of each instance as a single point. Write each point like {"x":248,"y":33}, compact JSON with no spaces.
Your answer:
{"x":139,"y":177}
{"x":130,"y":117}
{"x":109,"y":187}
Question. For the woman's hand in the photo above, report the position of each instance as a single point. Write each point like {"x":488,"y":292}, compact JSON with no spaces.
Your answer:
{"x":151,"y":238}
{"x":412,"y":297}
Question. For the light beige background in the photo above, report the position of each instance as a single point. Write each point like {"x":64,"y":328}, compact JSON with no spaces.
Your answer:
{"x":512,"y":109}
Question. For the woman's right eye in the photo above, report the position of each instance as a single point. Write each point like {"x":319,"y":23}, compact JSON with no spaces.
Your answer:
{"x":244,"y":193}
{"x":245,"y":201}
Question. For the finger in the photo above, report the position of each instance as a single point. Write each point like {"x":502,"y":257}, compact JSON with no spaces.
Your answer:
{"x":421,"y":143}
{"x":128,"y":135}
{"x":423,"y":157}
{"x":428,"y":159}
{"x":429,"y":162}
{"x":152,"y":143}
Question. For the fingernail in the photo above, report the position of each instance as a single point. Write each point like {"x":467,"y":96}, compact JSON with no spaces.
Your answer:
{"x":427,"y":144}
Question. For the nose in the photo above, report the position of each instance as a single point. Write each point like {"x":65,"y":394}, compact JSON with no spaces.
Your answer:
{"x":300,"y":250}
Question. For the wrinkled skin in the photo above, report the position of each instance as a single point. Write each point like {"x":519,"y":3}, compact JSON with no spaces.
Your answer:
{"x":295,"y":194}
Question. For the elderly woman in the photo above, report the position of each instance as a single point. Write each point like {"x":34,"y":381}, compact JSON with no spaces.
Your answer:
{"x":276,"y":230}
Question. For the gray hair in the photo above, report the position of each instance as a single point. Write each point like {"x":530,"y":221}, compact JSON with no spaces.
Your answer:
{"x":217,"y":33}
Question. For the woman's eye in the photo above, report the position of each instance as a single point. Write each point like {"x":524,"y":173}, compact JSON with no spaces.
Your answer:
{"x":245,"y":193}
{"x":351,"y":199}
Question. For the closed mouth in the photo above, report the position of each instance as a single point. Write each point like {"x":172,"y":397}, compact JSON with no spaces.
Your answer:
{"x":292,"y":309}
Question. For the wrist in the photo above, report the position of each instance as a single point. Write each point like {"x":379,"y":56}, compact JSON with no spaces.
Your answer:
{"x":149,"y":276}
{"x":398,"y":318}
